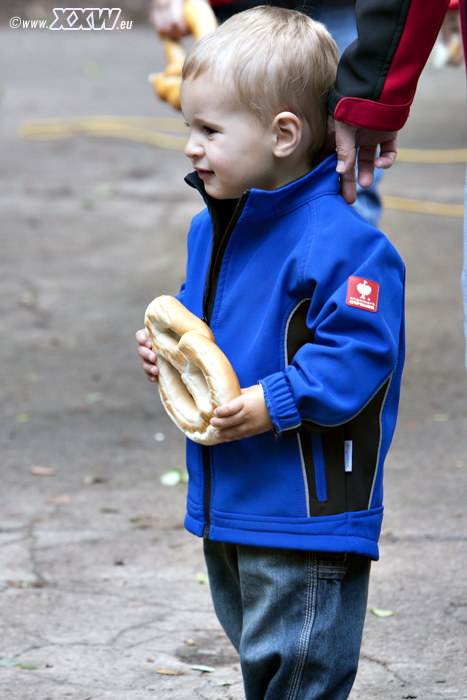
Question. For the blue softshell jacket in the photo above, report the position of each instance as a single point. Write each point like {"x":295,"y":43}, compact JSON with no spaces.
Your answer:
{"x":275,"y":290}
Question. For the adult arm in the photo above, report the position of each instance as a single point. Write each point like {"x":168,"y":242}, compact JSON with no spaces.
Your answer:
{"x":376,"y":82}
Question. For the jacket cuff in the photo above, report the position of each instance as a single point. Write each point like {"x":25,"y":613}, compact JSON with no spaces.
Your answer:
{"x":280,"y":404}
{"x":367,"y":114}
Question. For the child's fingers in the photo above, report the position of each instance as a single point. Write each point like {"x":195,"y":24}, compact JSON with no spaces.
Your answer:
{"x":148,"y":357}
{"x":230,"y":409}
{"x":150,"y":370}
{"x":146,"y":354}
{"x":142,"y":338}
{"x":226,"y":423}
{"x":242,"y":417}
{"x":234,"y":432}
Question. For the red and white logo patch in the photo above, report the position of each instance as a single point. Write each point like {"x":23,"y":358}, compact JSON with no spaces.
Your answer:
{"x":363,"y":294}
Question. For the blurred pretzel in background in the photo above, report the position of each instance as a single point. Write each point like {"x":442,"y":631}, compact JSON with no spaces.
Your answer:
{"x":189,"y":17}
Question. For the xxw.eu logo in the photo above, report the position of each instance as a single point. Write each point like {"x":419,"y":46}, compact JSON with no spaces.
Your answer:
{"x":76,"y":18}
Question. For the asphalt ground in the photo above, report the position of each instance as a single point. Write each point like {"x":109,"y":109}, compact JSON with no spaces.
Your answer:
{"x":100,"y":586}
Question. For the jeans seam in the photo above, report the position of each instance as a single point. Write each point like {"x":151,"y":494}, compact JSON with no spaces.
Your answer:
{"x":312,"y":571}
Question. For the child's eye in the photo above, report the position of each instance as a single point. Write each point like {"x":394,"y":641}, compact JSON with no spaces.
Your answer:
{"x":207,"y":130}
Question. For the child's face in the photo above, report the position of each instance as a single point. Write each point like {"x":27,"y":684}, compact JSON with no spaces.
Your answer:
{"x":231,"y":151}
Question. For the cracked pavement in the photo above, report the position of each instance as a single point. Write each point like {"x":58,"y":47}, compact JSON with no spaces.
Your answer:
{"x":98,"y":586}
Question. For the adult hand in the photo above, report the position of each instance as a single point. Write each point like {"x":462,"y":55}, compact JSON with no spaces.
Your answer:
{"x":350,"y":139}
{"x":168,"y":19}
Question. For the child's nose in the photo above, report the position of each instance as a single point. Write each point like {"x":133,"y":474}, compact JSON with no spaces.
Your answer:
{"x":193,"y":149}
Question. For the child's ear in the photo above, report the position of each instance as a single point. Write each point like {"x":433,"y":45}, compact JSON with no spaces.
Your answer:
{"x":287,"y":130}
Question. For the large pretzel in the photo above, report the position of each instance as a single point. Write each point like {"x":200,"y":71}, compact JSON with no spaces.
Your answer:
{"x":201,"y":20}
{"x":195,"y":377}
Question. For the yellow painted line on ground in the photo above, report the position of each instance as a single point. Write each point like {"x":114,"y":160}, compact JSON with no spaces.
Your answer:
{"x":446,"y":157}
{"x":159,"y":132}
{"x":149,"y":130}
{"x":419,"y":206}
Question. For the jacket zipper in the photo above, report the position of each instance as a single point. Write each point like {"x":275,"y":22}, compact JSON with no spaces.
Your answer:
{"x":212,"y":280}
{"x":215,"y":264}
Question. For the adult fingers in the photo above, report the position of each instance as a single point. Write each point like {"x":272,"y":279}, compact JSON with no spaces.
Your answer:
{"x":366,"y":165}
{"x":346,"y":146}
{"x":388,"y":152}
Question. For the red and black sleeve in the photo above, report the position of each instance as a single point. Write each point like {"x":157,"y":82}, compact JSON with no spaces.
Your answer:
{"x":378,"y":73}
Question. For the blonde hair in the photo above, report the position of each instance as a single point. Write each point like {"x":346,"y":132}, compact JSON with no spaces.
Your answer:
{"x":276,"y":60}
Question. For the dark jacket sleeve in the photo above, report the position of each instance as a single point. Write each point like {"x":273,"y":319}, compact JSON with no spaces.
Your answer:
{"x":378,"y":74}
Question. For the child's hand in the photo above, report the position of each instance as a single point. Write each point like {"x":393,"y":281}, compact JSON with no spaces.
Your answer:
{"x":148,"y":358}
{"x":242,"y":417}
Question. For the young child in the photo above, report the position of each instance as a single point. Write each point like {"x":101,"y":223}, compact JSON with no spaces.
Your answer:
{"x":306,"y":300}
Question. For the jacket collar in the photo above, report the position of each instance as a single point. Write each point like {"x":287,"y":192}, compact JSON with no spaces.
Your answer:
{"x":270,"y":203}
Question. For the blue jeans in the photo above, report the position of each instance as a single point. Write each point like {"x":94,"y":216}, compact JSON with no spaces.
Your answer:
{"x":295,"y":618}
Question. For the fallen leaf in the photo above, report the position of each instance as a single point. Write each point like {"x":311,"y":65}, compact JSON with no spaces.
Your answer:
{"x":65,"y":498}
{"x":190,"y":642}
{"x":93,"y":398}
{"x":6,"y":661}
{"x":103,"y":189}
{"x":202,"y":578}
{"x":168,"y":672}
{"x":42,"y":471}
{"x":172,"y":477}
{"x":203,"y":669}
{"x":89,"y":480}
{"x":91,"y":67}
{"x":23,"y":417}
{"x":144,"y":522}
{"x":441,"y":417}
{"x":26,"y":299}
{"x":381,"y":613}
{"x":109,"y":509}
{"x":26,"y":583}
{"x":226,"y":683}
